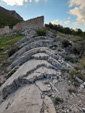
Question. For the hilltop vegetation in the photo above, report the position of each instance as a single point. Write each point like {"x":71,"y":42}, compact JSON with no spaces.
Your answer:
{"x":65,"y":30}
{"x":77,"y":38}
{"x":7,"y":19}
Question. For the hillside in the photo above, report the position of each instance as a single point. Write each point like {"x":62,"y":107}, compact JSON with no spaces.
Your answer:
{"x":42,"y":71}
{"x":40,"y":79}
{"x":9,"y":18}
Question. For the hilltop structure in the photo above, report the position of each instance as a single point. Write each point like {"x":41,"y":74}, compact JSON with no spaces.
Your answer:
{"x":35,"y":23}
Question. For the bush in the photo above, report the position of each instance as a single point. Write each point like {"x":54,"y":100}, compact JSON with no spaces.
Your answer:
{"x":78,"y":74}
{"x":75,"y":49}
{"x":81,"y":76}
{"x":41,"y":33}
{"x":71,"y":59}
{"x":12,"y":51}
{"x":82,"y":63}
{"x":58,"y":100}
{"x":65,"y":43}
{"x":78,"y":48}
{"x":59,"y":49}
{"x":72,"y":90}
{"x":77,"y":67}
{"x":72,"y":73}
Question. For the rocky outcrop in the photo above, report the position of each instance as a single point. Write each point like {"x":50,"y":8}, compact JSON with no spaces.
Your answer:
{"x":38,"y":78}
{"x":11,"y":13}
{"x":5,"y":30}
{"x":15,"y":14}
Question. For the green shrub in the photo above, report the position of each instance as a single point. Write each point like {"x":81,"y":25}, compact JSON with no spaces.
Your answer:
{"x":70,"y":59}
{"x":58,"y":100}
{"x":78,"y":74}
{"x":12,"y":51}
{"x":82,"y":63}
{"x":41,"y":32}
{"x":77,"y":67}
{"x":78,"y":48}
{"x":72,"y":90}
{"x":72,"y":73}
{"x":76,"y":83}
{"x":81,"y":76}
{"x":59,"y":49}
{"x":75,"y":49}
{"x":65,"y":43}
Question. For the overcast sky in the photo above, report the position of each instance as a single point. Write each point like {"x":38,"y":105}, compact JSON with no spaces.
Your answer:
{"x":69,"y":13}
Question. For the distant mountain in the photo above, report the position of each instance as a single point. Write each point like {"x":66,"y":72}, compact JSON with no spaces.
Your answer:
{"x":8,"y":17}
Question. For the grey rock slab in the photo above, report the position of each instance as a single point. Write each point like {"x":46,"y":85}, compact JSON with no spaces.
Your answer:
{"x":40,"y":72}
{"x":43,"y":87}
{"x":26,"y":100}
{"x":23,"y":70}
{"x":83,"y":110}
{"x":78,"y":79}
{"x":49,"y":104}
{"x":40,"y":54}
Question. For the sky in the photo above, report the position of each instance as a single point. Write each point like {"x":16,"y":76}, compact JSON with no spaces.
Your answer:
{"x":69,"y":13}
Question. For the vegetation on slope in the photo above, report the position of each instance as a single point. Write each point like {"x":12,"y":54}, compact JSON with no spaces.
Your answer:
{"x":5,"y":44}
{"x":6,"y":19}
{"x":73,"y":43}
{"x":65,"y":30}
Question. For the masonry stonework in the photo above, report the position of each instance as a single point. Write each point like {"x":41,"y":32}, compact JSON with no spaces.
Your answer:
{"x":5,"y":30}
{"x":32,"y":23}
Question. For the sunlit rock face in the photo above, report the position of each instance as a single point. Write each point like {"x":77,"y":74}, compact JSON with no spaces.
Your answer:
{"x":31,"y":88}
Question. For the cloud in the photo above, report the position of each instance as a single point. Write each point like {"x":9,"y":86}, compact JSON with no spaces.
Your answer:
{"x":67,"y":22}
{"x":78,"y":10}
{"x":69,"y":17}
{"x":19,"y":2}
{"x":14,"y":2}
{"x":57,"y":22}
{"x":30,"y":0}
{"x":37,"y":1}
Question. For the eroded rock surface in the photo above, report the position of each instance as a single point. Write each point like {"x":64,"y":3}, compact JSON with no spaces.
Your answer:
{"x":38,"y":78}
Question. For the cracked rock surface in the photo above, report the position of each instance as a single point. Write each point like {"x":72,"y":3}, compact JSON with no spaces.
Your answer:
{"x":38,"y":79}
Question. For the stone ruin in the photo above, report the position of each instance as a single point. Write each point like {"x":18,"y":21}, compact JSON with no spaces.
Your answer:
{"x":32,"y":23}
{"x":5,"y":30}
{"x":29,"y":24}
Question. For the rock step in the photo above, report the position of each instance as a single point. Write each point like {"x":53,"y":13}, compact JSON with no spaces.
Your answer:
{"x":28,"y":99}
{"x":29,"y":78}
{"x":36,"y":44}
{"x":25,"y":41}
{"x":28,"y":55}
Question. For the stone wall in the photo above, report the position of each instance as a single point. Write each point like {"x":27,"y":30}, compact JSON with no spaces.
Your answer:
{"x":32,"y":23}
{"x":5,"y":30}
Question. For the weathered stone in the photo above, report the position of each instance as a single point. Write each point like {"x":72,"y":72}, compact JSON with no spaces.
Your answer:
{"x":5,"y":30}
{"x":83,"y":110}
{"x":26,"y":99}
{"x":43,"y":87}
{"x":49,"y":104}
{"x":32,"y":23}
{"x":78,"y":79}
